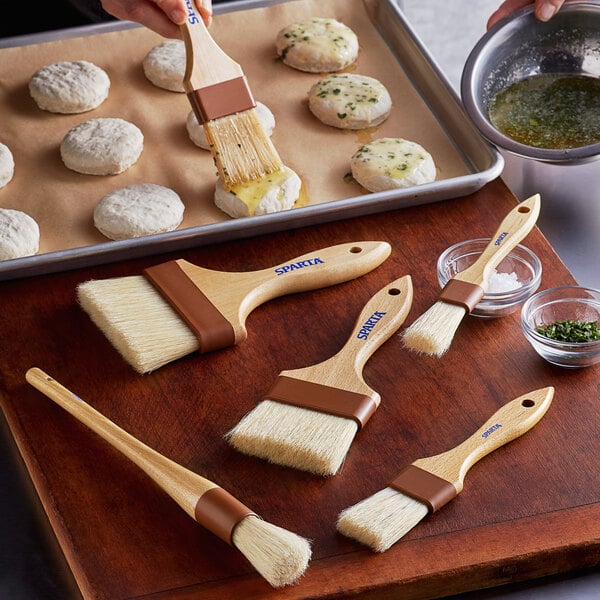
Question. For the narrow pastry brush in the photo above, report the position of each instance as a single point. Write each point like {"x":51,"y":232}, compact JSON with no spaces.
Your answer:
{"x":222,"y":101}
{"x":432,"y":333}
{"x":176,"y":308}
{"x":279,"y":555}
{"x":426,"y":485}
{"x":310,"y":416}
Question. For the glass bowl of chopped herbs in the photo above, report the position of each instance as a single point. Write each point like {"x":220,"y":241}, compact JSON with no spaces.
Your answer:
{"x":510,"y":284}
{"x":563,"y":325}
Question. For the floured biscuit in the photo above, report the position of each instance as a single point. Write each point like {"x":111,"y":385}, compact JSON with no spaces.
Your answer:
{"x":317,"y":45}
{"x":104,"y":146}
{"x":165,"y":64}
{"x":350,"y":101}
{"x":69,"y":86}
{"x":19,"y":234}
{"x":137,"y":210}
{"x":271,"y":193}
{"x":7,"y":165}
{"x":391,"y":163}
{"x":198,"y":135}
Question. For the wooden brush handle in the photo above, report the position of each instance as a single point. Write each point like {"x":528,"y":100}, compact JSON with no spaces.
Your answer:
{"x":206,"y":63}
{"x":184,"y":486}
{"x":381,"y":316}
{"x":515,"y":226}
{"x":509,"y":422}
{"x":236,"y":294}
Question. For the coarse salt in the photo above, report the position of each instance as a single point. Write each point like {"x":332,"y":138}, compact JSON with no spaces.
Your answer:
{"x":503,"y":282}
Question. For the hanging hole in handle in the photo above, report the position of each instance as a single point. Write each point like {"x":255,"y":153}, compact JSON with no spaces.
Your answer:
{"x":394,"y":292}
{"x":356,"y":249}
{"x":523,"y":209}
{"x":528,"y":403}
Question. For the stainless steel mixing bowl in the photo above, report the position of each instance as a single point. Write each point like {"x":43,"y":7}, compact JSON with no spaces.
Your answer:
{"x":520,"y":46}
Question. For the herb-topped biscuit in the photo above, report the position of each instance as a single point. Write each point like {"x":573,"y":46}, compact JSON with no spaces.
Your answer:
{"x":350,"y":101}
{"x":392,"y":163}
{"x":317,"y":45}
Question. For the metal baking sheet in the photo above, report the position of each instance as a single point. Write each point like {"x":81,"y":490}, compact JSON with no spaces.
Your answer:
{"x":482,"y":161}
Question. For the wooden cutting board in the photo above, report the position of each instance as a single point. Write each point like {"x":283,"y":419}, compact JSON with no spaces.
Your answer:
{"x":528,"y":510}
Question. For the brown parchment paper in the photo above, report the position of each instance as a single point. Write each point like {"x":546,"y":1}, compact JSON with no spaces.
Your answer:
{"x":62,"y":201}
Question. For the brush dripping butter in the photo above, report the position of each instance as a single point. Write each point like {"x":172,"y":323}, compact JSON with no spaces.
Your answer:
{"x":553,"y":111}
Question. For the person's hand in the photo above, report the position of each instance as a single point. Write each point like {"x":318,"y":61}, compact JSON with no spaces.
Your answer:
{"x":544,"y":9}
{"x":162,"y":16}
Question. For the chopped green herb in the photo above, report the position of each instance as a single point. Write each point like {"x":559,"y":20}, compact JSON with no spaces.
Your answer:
{"x":571,"y":331}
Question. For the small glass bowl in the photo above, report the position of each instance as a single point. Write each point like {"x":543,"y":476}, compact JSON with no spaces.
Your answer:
{"x":561,"y":304}
{"x":521,"y":261}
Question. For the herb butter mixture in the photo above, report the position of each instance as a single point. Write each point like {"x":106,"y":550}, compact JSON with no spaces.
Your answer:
{"x":550,"y":111}
{"x":571,"y":331}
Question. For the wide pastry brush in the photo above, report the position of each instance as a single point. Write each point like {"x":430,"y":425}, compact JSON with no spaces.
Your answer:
{"x":311,"y":415}
{"x":176,"y":307}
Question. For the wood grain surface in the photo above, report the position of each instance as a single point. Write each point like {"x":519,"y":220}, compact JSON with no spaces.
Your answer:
{"x":530,"y":509}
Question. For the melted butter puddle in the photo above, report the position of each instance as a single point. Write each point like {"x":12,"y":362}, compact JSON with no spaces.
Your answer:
{"x":252,"y":192}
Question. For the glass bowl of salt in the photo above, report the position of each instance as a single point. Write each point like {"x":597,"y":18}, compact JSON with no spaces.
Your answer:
{"x":514,"y":280}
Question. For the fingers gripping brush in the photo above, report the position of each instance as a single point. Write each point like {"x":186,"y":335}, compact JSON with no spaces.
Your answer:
{"x":432,"y":333}
{"x":176,"y":308}
{"x":426,"y":485}
{"x":280,"y":556}
{"x":311,"y":415}
{"x":222,"y":101}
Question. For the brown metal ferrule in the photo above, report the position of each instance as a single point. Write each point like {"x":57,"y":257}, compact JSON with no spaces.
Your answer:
{"x":220,"y":512}
{"x":211,"y":328}
{"x":462,"y":293}
{"x":221,"y":99}
{"x":424,"y":487}
{"x":322,"y":398}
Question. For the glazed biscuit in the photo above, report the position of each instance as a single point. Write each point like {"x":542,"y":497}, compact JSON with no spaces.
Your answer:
{"x":272,"y":193}
{"x":392,"y":163}
{"x":349,"y":101}
{"x":317,"y":45}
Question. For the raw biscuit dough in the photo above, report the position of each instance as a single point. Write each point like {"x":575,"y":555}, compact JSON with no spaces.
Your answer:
{"x":350,"y":101}
{"x":392,"y":163}
{"x":272,"y":193}
{"x":104,"y":146}
{"x":198,"y":135}
{"x":69,"y":87}
{"x":165,"y":65}
{"x":19,"y":234}
{"x":317,"y":45}
{"x":137,"y":210}
{"x":7,"y":165}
